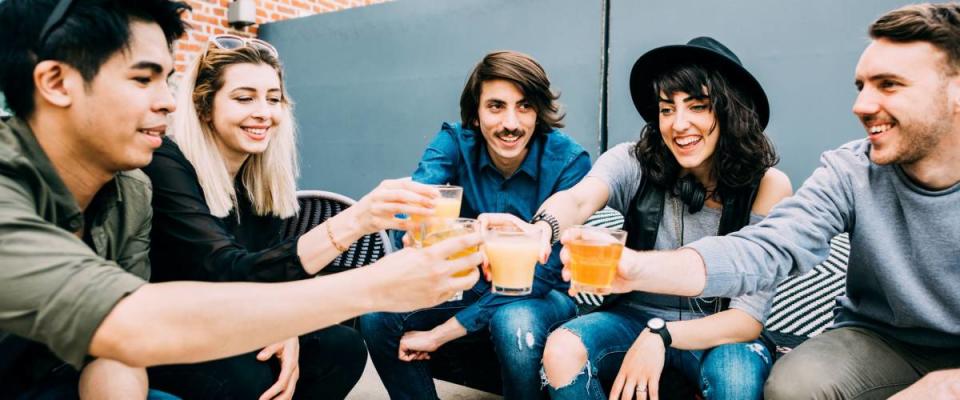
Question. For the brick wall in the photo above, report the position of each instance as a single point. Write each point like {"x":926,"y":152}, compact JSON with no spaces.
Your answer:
{"x":209,"y":17}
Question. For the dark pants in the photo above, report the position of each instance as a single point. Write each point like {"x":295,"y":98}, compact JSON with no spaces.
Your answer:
{"x":331,"y":362}
{"x":518,"y":331}
{"x":853,"y":363}
{"x":63,"y":383}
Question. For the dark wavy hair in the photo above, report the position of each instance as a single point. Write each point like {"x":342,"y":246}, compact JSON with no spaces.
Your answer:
{"x":523,"y":71}
{"x":743,"y":153}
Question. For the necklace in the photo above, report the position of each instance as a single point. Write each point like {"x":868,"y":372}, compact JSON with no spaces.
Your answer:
{"x":678,"y":225}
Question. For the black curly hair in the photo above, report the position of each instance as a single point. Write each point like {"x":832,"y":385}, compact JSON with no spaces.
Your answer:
{"x":743,"y":153}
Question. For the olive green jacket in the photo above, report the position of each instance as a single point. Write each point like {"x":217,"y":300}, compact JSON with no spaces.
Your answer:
{"x":56,"y":288}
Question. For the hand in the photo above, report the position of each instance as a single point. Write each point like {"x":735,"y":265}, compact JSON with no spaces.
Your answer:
{"x":417,"y":345}
{"x":936,"y":385}
{"x":378,"y":209}
{"x":641,"y":368}
{"x":288,"y":351}
{"x":502,"y":219}
{"x":415,"y":278}
{"x":628,"y":274}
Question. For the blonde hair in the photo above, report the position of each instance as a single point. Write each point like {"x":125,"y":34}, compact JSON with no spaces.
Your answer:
{"x":269,"y":177}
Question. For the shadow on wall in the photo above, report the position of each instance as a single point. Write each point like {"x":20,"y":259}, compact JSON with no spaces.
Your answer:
{"x":373,"y":84}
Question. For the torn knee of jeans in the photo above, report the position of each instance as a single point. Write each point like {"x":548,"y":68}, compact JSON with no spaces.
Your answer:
{"x":544,"y":381}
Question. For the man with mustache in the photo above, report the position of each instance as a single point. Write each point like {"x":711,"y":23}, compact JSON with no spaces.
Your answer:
{"x":508,"y":156}
{"x":896,"y":192}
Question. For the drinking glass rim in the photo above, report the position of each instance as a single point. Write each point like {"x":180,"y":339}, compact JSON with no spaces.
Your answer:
{"x":599,"y":228}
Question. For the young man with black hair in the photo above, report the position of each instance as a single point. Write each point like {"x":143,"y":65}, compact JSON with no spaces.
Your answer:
{"x":87,"y":83}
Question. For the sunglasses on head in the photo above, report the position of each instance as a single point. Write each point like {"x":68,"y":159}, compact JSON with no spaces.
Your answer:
{"x":232,"y":42}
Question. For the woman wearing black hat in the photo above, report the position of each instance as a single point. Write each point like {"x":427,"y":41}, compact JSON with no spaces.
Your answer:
{"x":702,"y":166}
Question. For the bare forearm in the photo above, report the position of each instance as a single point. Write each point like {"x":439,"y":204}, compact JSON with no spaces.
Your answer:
{"x":567,"y":209}
{"x":315,"y":248}
{"x":677,"y":272}
{"x":730,"y":326}
{"x":180,"y":322}
{"x":448,"y":331}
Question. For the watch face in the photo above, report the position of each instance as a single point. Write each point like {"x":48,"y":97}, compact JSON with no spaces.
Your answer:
{"x":656,"y":324}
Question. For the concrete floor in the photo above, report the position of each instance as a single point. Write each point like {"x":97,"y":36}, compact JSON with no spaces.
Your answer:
{"x":370,"y":388}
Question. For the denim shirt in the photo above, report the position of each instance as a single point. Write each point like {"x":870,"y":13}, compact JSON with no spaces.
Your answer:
{"x":459,"y":157}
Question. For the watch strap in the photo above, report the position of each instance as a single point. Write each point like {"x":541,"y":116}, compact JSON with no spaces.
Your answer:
{"x":552,"y":221}
{"x":665,"y":335}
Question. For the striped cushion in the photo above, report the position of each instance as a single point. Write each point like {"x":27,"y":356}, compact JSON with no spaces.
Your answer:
{"x":804,"y":304}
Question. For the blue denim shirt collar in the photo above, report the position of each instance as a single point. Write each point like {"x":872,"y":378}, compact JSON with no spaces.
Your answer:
{"x":531,"y":162}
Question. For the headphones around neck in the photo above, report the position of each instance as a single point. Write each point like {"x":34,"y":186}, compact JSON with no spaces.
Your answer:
{"x":691,"y":192}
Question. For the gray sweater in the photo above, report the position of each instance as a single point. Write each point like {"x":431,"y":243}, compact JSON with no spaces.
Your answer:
{"x":903,"y":278}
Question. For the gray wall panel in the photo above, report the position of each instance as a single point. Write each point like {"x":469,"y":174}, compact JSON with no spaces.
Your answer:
{"x":373,"y":84}
{"x":803,"y":52}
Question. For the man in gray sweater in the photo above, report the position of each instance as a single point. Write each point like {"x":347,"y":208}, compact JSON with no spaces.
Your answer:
{"x":897,"y":193}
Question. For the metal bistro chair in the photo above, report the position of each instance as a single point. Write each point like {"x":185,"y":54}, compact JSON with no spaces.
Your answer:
{"x":317,"y":206}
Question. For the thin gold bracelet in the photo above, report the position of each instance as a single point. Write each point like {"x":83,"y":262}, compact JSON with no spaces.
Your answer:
{"x":332,"y":241}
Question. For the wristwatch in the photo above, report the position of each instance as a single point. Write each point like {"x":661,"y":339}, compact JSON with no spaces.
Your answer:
{"x":659,"y":327}
{"x":550,"y":220}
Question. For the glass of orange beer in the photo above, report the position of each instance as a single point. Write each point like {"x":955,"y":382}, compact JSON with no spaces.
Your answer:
{"x":447,"y":206}
{"x":437,"y":229}
{"x":594,"y":256}
{"x":512,"y":253}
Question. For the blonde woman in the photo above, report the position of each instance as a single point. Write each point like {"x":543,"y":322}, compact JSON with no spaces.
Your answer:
{"x":222,"y":188}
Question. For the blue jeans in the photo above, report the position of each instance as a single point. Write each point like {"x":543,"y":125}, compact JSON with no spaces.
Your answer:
{"x":518,"y":331}
{"x":730,"y":371}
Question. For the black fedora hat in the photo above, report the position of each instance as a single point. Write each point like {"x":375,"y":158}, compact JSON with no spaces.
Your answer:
{"x":704,"y":51}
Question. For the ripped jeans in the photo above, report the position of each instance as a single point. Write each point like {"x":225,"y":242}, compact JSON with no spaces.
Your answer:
{"x":730,"y":371}
{"x":518,"y":331}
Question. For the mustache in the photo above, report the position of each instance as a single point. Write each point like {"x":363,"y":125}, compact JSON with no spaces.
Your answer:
{"x":513,"y":132}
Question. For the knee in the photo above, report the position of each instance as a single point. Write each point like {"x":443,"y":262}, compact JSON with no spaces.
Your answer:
{"x":337,"y":348}
{"x":736,"y":371}
{"x":512,"y":318}
{"x":247,"y":376}
{"x":358,"y":356}
{"x":351,"y":352}
{"x":793,"y":379}
{"x":563,"y":358}
{"x":378,"y":325}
